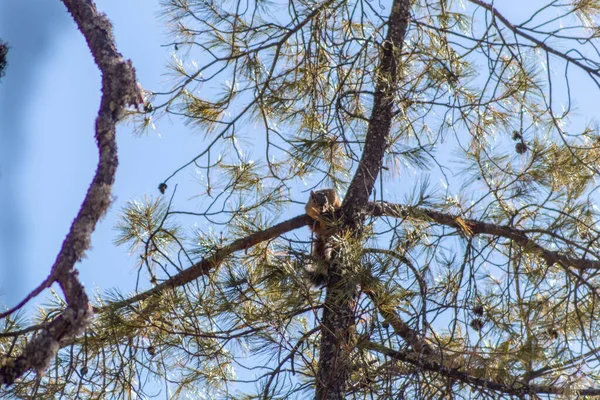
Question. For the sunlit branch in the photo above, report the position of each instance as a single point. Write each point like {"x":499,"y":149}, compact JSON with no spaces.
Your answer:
{"x":278,"y":45}
{"x":204,"y":266}
{"x":517,"y":387}
{"x":479,"y":227}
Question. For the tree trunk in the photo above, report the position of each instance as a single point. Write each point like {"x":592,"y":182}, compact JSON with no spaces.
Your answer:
{"x":338,"y":322}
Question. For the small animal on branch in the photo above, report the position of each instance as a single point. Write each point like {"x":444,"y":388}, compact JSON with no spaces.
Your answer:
{"x":320,"y":207}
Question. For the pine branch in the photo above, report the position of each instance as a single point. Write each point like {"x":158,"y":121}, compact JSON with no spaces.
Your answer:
{"x":204,"y":266}
{"x":479,"y":227}
{"x":376,"y":209}
{"x":400,"y":327}
{"x":517,"y":387}
{"x":519,"y":31}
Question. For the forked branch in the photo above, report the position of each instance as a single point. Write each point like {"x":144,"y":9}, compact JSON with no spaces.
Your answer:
{"x":119,"y":90}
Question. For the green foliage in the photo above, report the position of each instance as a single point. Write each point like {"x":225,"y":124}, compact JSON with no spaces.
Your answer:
{"x":146,"y":223}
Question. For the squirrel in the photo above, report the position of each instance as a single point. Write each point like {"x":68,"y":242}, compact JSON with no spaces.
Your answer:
{"x":321,"y":202}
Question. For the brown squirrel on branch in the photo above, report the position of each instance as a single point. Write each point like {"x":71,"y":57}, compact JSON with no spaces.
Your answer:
{"x":320,"y":207}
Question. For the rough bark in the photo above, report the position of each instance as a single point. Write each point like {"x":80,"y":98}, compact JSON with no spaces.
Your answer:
{"x":380,"y":122}
{"x":338,"y":314}
{"x":119,"y":89}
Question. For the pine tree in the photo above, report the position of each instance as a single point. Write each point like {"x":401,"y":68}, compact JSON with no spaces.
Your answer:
{"x":483,"y":284}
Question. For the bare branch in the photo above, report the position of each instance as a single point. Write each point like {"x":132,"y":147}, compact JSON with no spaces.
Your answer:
{"x":119,"y":89}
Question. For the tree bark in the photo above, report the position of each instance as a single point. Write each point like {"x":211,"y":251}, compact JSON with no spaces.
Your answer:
{"x":338,"y":319}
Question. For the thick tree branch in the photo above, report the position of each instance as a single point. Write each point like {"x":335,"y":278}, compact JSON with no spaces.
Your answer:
{"x":516,"y":387}
{"x":380,"y":122}
{"x":478,"y":227}
{"x":204,"y":266}
{"x":119,"y":90}
{"x":375,"y":209}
